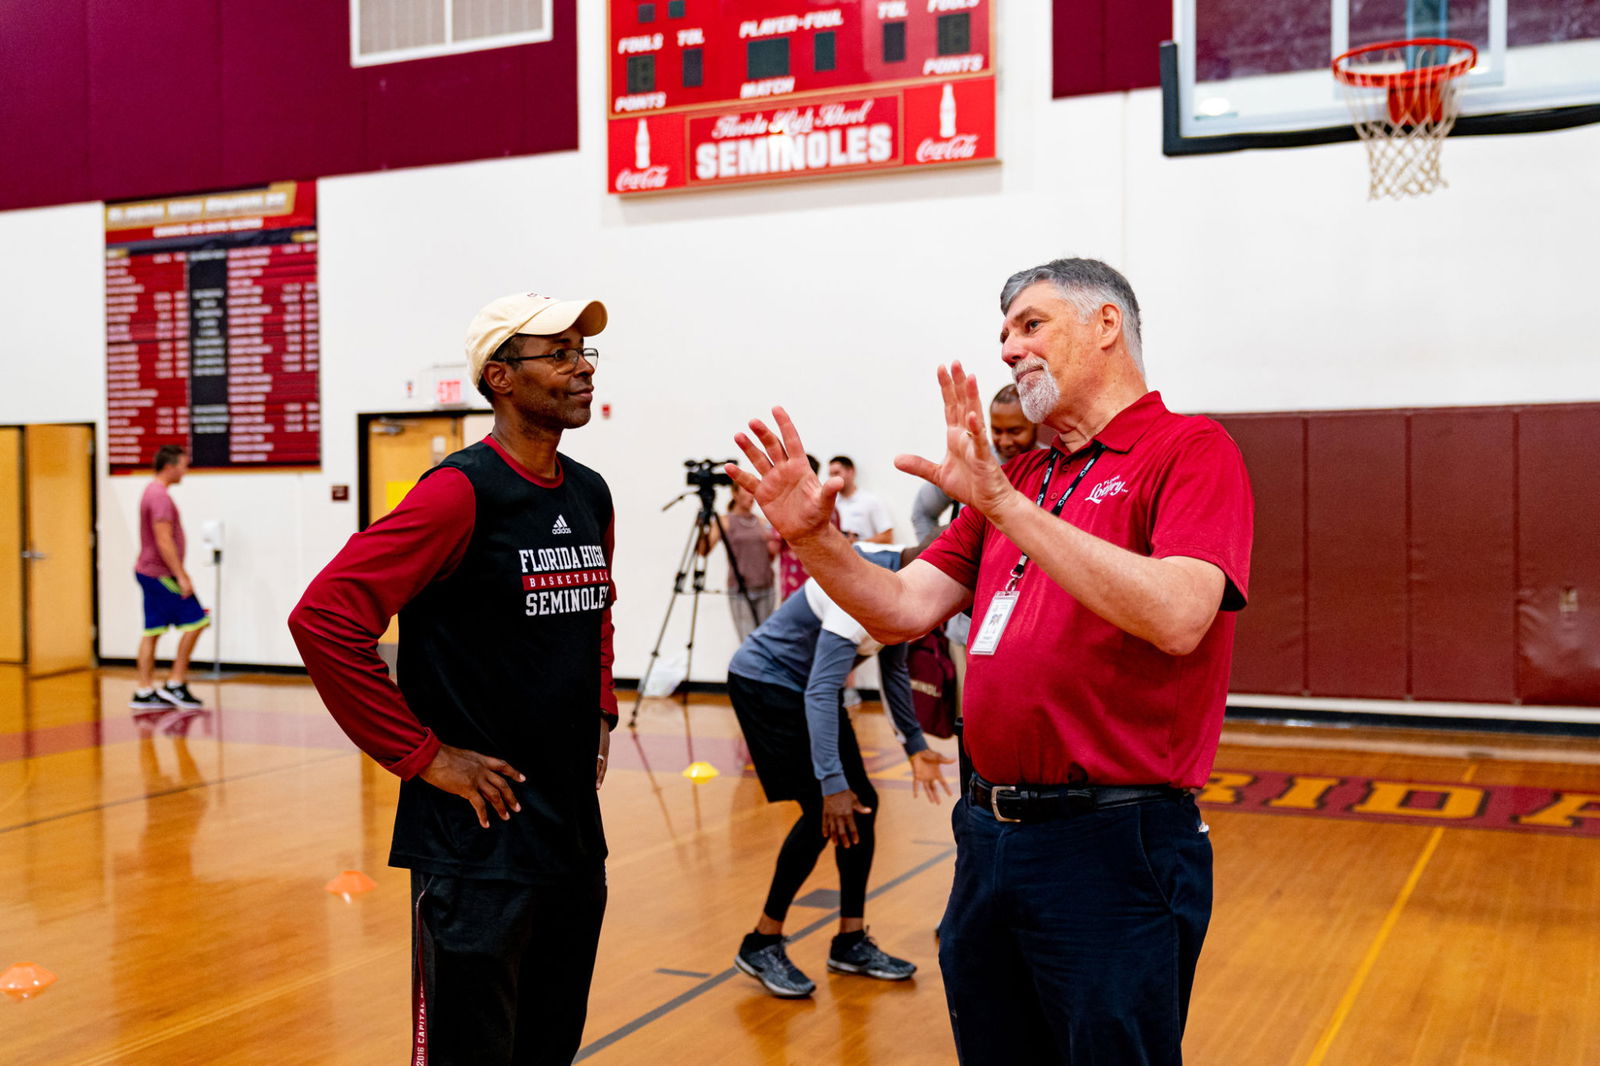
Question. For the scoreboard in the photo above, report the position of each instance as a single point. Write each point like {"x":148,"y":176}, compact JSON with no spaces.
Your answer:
{"x":720,"y":92}
{"x":212,"y":329}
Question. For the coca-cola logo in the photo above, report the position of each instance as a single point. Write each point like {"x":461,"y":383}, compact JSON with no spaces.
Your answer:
{"x":961,"y":146}
{"x":637,"y":180}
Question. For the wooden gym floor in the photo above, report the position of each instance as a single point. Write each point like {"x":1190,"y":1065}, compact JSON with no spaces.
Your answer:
{"x":1383,"y":896}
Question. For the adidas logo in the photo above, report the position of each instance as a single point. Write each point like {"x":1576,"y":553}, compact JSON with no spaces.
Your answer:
{"x":561,"y":525}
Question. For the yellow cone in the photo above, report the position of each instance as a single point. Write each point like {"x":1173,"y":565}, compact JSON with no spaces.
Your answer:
{"x":700,"y":772}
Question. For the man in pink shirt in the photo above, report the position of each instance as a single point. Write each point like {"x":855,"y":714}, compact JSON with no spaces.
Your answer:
{"x":1103,"y":576}
{"x":169,"y":599}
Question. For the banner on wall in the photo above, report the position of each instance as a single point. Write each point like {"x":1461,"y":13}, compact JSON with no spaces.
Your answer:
{"x":702,"y":95}
{"x":212,"y":329}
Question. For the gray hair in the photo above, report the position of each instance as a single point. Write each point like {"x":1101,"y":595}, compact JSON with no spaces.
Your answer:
{"x":1087,"y":284}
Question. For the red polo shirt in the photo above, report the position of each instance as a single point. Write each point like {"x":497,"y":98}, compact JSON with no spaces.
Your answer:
{"x":1067,"y":697}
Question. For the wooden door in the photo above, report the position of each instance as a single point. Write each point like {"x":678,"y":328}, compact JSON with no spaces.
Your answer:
{"x":399,"y":451}
{"x":58,"y":473}
{"x":13,"y":649}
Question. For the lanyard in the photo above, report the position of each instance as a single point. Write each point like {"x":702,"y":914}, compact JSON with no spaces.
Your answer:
{"x":1055,"y":512}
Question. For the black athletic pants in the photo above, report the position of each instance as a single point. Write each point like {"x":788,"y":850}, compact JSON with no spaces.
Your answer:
{"x":501,"y":970}
{"x":803,"y":846}
{"x":773,"y":718}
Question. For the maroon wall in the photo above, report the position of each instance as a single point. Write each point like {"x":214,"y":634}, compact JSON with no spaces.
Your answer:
{"x":1558,"y":579}
{"x":1103,"y":46}
{"x":1463,"y":559}
{"x":1440,"y":554}
{"x":116,"y":101}
{"x":1356,"y":554}
{"x":1273,"y":627}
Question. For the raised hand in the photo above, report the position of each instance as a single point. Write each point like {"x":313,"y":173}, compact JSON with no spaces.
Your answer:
{"x":970,"y":472}
{"x":789,"y":494}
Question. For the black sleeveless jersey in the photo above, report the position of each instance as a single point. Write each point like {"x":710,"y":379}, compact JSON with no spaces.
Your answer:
{"x":503,"y":657}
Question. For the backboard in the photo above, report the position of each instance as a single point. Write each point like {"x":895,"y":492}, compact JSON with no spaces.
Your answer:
{"x":1255,"y":73}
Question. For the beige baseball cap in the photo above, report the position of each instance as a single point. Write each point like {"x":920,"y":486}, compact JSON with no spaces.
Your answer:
{"x":530,"y":313}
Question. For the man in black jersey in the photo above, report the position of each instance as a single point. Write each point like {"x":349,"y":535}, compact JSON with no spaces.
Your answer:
{"x":499,"y":565}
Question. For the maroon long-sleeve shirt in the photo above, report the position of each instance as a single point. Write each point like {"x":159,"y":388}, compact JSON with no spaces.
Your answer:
{"x":346,"y":609}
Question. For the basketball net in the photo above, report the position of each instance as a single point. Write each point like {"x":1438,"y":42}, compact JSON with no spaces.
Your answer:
{"x":1403,"y":102}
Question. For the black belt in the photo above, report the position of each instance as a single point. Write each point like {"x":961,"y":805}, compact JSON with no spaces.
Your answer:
{"x":1023,"y":803}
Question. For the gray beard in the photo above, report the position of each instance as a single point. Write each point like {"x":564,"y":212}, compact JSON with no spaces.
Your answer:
{"x":1039,"y":397}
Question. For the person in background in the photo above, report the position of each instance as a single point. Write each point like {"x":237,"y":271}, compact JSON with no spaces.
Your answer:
{"x":862,"y":515}
{"x":784,"y":683}
{"x":499,"y":564}
{"x":169,"y":599}
{"x":751,"y":548}
{"x":791,"y":571}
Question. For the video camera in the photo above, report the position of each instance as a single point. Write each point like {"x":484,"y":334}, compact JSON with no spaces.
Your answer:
{"x":703,"y":476}
{"x":706,"y":474}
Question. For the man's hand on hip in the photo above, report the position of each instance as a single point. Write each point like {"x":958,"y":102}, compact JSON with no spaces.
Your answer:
{"x":970,"y":471}
{"x":839,"y":812}
{"x":791,"y":497}
{"x":478,"y":779}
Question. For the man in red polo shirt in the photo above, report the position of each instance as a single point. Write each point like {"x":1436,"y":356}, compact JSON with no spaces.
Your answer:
{"x":1103,"y":577}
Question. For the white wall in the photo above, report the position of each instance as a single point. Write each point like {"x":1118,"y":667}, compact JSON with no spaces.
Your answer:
{"x":1268,"y":282}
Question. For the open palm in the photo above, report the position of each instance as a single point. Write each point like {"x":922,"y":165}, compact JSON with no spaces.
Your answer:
{"x":970,"y":472}
{"x":790,"y":496}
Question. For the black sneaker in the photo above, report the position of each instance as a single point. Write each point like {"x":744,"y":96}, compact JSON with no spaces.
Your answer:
{"x":771,"y":966}
{"x":178,"y":695}
{"x":149,"y":701}
{"x":865,"y":957}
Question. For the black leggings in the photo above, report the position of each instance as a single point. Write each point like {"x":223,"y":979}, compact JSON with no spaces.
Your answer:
{"x":798,"y":857}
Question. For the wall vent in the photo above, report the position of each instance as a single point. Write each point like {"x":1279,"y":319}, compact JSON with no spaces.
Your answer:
{"x":394,"y":31}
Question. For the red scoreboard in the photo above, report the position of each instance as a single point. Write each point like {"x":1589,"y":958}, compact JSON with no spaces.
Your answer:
{"x":721,"y":92}
{"x":212,"y":335}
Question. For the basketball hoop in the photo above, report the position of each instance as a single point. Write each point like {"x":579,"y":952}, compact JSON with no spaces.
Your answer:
{"x":1402,"y":98}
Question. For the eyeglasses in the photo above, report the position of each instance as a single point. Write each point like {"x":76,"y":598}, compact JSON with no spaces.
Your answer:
{"x":566,"y":359}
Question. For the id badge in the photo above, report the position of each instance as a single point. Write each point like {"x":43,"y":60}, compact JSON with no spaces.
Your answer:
{"x":987,"y":637}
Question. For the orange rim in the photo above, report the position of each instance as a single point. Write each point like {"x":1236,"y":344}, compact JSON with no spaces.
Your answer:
{"x":1407,"y":79}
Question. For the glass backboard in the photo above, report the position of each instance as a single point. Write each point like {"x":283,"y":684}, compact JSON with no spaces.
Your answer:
{"x":1256,"y":73}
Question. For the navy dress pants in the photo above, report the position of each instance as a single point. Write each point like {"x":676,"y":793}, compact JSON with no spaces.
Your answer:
{"x":1074,"y":941}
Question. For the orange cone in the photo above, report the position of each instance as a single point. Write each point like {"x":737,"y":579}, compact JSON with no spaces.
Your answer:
{"x":350,"y":883}
{"x":25,"y":980}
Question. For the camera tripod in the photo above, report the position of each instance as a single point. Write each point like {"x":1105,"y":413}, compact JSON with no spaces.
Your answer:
{"x":692,"y":570}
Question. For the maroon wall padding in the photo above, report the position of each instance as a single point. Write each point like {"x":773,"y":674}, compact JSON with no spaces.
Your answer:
{"x":1269,"y":653}
{"x":1446,"y":554}
{"x":1463,"y":555}
{"x":1356,"y":627}
{"x":44,"y":104}
{"x":119,"y":101}
{"x":1077,"y":32}
{"x":1134,"y":32}
{"x":1558,"y":533}
{"x":155,"y":101}
{"x":488,"y":86}
{"x":316,"y":115}
{"x":1101,"y":46}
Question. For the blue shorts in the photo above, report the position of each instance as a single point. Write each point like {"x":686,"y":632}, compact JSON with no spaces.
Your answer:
{"x":165,"y":608}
